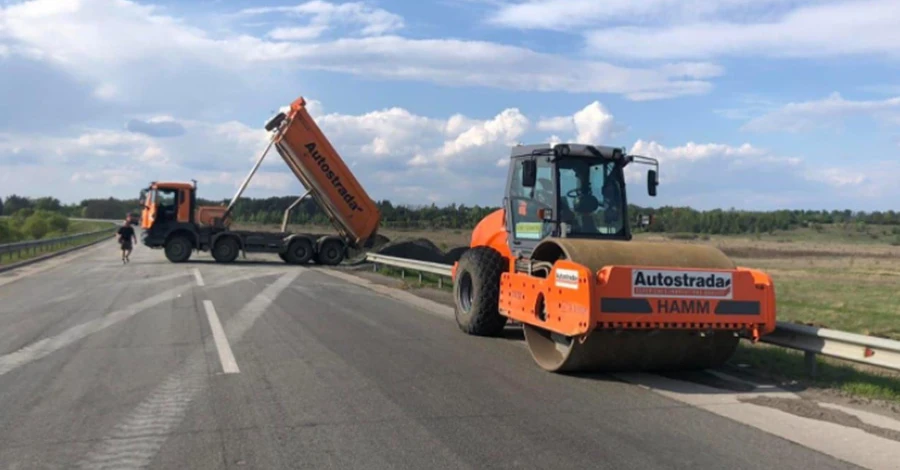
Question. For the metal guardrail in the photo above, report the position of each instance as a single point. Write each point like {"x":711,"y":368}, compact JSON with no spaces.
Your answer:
{"x":35,"y":246}
{"x":420,"y":267}
{"x":811,"y":340}
{"x":854,"y":347}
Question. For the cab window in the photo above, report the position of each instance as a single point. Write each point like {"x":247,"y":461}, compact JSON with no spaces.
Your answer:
{"x":525,"y":202}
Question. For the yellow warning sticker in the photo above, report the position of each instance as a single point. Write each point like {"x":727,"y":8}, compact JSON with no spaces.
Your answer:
{"x":530,"y":230}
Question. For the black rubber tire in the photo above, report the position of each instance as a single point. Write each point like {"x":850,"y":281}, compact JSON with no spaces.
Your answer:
{"x":226,"y":249}
{"x":331,"y":252}
{"x":300,"y":251}
{"x":178,"y":249}
{"x":476,"y":292}
{"x":283,"y":257}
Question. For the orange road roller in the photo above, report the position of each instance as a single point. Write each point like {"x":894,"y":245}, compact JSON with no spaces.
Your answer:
{"x":558,"y":257}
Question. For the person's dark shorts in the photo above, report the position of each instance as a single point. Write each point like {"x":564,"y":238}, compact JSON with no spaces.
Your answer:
{"x":125,"y":244}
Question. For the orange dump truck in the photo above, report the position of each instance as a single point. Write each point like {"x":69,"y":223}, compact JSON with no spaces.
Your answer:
{"x":171,"y":219}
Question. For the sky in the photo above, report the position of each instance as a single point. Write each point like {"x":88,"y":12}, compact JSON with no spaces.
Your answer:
{"x":747,"y":104}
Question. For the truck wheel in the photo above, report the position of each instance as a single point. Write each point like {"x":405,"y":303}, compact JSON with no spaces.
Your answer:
{"x":300,"y":251}
{"x":226,"y":249}
{"x":331,"y":252}
{"x":476,"y":292}
{"x":178,"y":249}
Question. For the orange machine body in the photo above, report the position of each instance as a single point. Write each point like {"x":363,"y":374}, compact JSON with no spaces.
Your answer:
{"x":316,"y":163}
{"x":574,"y":301}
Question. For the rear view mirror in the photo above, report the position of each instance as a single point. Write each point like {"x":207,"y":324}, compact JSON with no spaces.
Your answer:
{"x":651,"y":182}
{"x":529,"y":173}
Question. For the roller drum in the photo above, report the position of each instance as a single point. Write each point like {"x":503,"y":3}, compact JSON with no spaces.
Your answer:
{"x":605,"y":350}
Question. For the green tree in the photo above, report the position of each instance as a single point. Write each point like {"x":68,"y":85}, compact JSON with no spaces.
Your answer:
{"x":36,"y":227}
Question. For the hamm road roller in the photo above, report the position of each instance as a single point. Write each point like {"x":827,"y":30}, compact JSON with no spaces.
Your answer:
{"x":558,"y":257}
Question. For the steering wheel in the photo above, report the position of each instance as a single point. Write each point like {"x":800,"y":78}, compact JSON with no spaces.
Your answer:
{"x":576,"y":193}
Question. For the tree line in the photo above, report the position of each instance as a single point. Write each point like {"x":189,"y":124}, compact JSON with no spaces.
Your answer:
{"x":665,"y":219}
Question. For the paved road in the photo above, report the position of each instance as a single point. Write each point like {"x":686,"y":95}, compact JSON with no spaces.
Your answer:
{"x":111,"y":365}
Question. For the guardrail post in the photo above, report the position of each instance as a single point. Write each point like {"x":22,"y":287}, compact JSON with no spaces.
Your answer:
{"x":809,"y":358}
{"x":420,"y":278}
{"x":440,"y":282}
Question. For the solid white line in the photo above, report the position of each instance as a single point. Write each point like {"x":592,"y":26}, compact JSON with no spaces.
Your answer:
{"x":229,"y":365}
{"x":198,"y":277}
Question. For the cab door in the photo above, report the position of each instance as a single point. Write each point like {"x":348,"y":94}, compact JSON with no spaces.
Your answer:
{"x":148,"y":214}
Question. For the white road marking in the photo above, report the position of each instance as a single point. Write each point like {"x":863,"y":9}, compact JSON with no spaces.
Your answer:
{"x":135,"y":441}
{"x":46,"y":346}
{"x":842,"y":442}
{"x":226,"y":357}
{"x":867,"y":417}
{"x":198,"y":277}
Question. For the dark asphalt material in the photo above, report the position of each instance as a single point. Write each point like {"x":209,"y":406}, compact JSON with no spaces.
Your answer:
{"x":332,"y":375}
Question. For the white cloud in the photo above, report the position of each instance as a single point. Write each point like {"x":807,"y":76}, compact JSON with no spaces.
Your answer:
{"x":297,"y":33}
{"x":323,"y":15}
{"x":479,"y":143}
{"x":592,"y":124}
{"x":563,"y":15}
{"x":720,"y":175}
{"x":110,"y":177}
{"x":829,"y":29}
{"x":77,"y":36}
{"x":827,"y":112}
{"x":836,"y":177}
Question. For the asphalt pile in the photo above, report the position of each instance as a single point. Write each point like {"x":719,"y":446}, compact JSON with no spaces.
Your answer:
{"x":420,"y":249}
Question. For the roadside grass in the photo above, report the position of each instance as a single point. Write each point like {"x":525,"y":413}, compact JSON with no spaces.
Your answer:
{"x":84,"y":226}
{"x":10,"y":258}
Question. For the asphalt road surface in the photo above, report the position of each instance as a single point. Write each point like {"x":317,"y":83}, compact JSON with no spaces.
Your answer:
{"x":266,"y":366}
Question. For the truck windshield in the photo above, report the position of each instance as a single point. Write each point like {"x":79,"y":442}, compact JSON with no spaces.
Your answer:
{"x":590,"y":196}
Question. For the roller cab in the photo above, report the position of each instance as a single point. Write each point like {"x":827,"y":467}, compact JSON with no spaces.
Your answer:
{"x":559,"y":258}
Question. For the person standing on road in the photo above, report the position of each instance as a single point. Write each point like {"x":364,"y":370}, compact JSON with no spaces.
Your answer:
{"x":126,"y":236}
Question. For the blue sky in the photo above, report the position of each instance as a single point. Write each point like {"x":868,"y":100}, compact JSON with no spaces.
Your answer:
{"x":759,"y":104}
